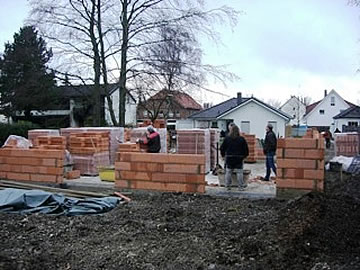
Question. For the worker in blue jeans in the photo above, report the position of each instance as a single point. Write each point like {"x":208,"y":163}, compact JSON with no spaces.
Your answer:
{"x":270,"y":145}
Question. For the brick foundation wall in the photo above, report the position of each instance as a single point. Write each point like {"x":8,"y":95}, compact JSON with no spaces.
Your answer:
{"x":251,"y":141}
{"x":300,"y":164}
{"x":162,"y":172}
{"x":32,"y":165}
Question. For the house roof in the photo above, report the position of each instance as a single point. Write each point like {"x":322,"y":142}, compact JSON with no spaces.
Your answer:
{"x":78,"y":91}
{"x":231,"y":104}
{"x":183,"y":99}
{"x":352,"y":112}
{"x":292,"y":97}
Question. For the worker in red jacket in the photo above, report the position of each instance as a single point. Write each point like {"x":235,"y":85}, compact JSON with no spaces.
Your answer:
{"x":152,"y":140}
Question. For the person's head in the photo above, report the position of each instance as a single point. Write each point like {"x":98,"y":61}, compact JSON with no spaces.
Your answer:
{"x":150,"y":129}
{"x":230,"y":126}
{"x":234,"y":131}
{"x":269,"y":127}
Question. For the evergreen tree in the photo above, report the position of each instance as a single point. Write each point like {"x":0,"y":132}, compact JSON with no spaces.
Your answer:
{"x":25,"y":83}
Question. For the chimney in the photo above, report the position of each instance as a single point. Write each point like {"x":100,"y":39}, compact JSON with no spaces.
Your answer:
{"x":325,"y":93}
{"x":239,"y":98}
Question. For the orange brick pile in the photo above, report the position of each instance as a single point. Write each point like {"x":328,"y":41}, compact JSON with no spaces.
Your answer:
{"x":300,"y":163}
{"x":194,"y":141}
{"x":158,"y":123}
{"x":251,"y":141}
{"x":89,"y":151}
{"x":51,"y":142}
{"x":34,"y":133}
{"x":163,"y":172}
{"x":347,"y":144}
{"x":32,"y":165}
{"x":259,"y":151}
{"x":129,"y":147}
{"x":74,"y":174}
{"x":214,"y":140}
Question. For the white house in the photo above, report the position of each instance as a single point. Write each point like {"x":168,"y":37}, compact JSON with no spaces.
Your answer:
{"x":130,"y":108}
{"x":320,"y":114}
{"x":296,"y":109}
{"x":348,"y":120}
{"x":250,"y":114}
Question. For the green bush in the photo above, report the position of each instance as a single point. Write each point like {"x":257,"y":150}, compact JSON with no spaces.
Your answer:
{"x":19,"y":128}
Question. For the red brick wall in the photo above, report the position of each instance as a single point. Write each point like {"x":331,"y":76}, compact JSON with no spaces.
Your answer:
{"x":32,"y":165}
{"x":163,"y":172}
{"x":300,"y":163}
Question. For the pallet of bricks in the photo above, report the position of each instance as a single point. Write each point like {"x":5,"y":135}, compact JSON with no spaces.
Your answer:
{"x":34,"y":133}
{"x":116,"y":135}
{"x":214,"y":147}
{"x":251,"y":141}
{"x":194,"y":141}
{"x":300,"y":164}
{"x":89,"y":150}
{"x":140,"y":133}
{"x":347,"y":144}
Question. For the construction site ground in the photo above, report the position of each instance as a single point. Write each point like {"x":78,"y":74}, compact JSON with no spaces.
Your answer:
{"x":167,"y":230}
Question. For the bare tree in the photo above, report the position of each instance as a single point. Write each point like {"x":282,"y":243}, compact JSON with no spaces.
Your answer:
{"x":274,"y":103}
{"x":131,"y":27}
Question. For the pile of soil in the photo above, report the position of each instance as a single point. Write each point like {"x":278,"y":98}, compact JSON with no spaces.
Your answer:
{"x":187,"y":231}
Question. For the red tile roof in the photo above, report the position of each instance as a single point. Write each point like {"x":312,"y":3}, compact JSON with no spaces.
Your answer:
{"x":183,"y":99}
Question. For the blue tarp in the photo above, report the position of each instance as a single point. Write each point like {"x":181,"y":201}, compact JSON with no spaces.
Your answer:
{"x":39,"y":201}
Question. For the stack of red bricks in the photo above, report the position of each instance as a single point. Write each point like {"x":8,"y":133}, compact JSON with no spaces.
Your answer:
{"x":194,"y":141}
{"x":251,"y":141}
{"x":214,"y":140}
{"x":300,"y":163}
{"x":162,"y":172}
{"x":259,"y":150}
{"x":140,"y":133}
{"x":129,"y":147}
{"x":89,"y":151}
{"x":347,"y":144}
{"x":51,"y":142}
{"x":116,"y":135}
{"x":32,"y":165}
{"x":34,"y":133}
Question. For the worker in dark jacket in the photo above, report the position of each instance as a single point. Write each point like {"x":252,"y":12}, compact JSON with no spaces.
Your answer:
{"x":235,"y":150}
{"x":152,"y":140}
{"x":270,"y":145}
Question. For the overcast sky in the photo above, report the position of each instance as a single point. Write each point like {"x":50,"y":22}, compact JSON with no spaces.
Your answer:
{"x":278,"y":48}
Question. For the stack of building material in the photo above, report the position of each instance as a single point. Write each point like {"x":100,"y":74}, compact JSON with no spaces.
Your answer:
{"x":129,"y":147}
{"x":140,"y":133}
{"x":163,"y":172}
{"x":214,"y":146}
{"x":51,"y":142}
{"x":194,"y":141}
{"x":89,"y":151}
{"x":259,"y":150}
{"x":347,"y":144}
{"x":36,"y":165}
{"x":116,"y":135}
{"x":251,"y":141}
{"x":34,"y":133}
{"x":300,"y":164}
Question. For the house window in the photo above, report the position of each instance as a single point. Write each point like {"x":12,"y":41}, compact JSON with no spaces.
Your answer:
{"x":214,"y":124}
{"x":161,"y":114}
{"x":322,"y":111}
{"x":353,"y":124}
{"x":171,"y":114}
{"x":177,"y":114}
{"x":145,"y":113}
{"x":245,"y":126}
{"x":332,"y":101}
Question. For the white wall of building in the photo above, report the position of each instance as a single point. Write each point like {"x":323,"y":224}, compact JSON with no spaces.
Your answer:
{"x":258,"y":117}
{"x":130,"y":107}
{"x":296,"y":109}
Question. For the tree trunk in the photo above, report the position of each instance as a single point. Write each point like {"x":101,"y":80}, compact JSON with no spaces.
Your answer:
{"x":124,"y":48}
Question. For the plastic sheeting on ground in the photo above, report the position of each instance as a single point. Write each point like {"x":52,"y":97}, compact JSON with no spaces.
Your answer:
{"x":39,"y":201}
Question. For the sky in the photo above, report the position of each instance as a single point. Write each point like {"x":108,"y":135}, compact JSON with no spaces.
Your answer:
{"x":278,"y":48}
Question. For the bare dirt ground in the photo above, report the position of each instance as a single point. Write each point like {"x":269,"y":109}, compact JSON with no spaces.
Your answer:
{"x":186,"y":231}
